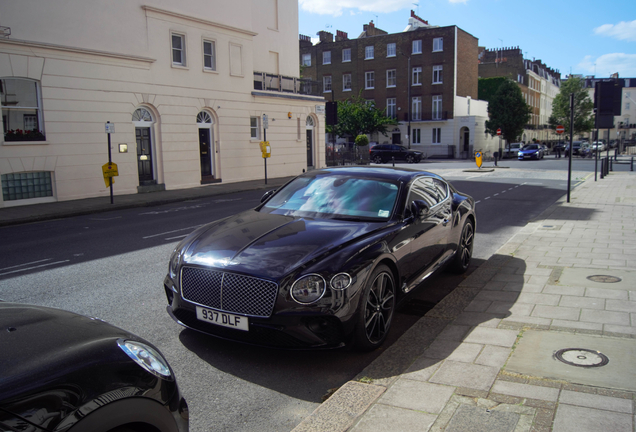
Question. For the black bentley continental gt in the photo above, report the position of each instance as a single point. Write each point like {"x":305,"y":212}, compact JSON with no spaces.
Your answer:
{"x":323,"y":261}
{"x":60,"y":371}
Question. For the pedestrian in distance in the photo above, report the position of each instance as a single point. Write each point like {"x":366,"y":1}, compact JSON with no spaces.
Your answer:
{"x":558,"y":151}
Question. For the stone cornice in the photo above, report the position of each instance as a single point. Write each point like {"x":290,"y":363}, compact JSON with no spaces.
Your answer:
{"x":198,"y":20}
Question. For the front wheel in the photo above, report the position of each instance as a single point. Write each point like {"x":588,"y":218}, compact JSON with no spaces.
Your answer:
{"x":377,"y":159}
{"x":376,"y":310}
{"x":410,"y":159}
{"x":464,"y":249}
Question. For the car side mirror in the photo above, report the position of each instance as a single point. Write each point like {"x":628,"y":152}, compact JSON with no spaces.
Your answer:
{"x":267,"y":195}
{"x":419,"y":209}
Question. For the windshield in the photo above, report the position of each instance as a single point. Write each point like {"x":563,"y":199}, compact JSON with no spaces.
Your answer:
{"x":335,"y":197}
{"x":531,"y":147}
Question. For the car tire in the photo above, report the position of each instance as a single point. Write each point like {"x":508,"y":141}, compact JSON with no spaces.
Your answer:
{"x":410,"y":159}
{"x":377,"y":159}
{"x":376,"y":310}
{"x":464,"y":252}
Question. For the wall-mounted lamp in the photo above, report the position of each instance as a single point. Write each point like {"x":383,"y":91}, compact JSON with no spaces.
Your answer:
{"x":123,"y":148}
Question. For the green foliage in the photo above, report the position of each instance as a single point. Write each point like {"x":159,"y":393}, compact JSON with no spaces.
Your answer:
{"x":362,"y":140}
{"x":488,"y":87}
{"x":356,"y":116}
{"x":508,"y":111}
{"x":583,"y":107}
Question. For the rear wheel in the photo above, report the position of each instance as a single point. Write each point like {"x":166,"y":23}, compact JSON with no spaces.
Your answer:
{"x":464,"y":249}
{"x":376,"y":311}
{"x":410,"y":159}
{"x":377,"y":159}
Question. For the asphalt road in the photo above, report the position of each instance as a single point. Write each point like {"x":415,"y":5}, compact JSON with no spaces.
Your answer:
{"x":111,"y":265}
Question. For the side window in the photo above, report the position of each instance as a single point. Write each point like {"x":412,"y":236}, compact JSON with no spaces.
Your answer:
{"x":423,"y":189}
{"x":442,"y":189}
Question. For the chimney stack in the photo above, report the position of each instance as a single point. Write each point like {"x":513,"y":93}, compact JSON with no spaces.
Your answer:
{"x":341,"y":36}
{"x":325,"y":36}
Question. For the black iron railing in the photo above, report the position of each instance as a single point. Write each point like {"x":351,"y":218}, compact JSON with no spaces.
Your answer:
{"x":285,"y":84}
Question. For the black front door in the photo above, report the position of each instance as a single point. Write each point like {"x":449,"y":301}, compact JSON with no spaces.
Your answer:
{"x":144,"y":156}
{"x":310,"y":148}
{"x":396,"y":138}
{"x":205,"y":153}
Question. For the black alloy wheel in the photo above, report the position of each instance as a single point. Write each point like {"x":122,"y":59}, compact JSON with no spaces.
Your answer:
{"x":464,"y":249}
{"x":410,"y":159}
{"x":377,"y":159}
{"x":378,"y":305}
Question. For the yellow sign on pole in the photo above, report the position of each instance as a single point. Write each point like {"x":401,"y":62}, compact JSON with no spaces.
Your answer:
{"x":478,"y":158}
{"x":110,"y":171}
{"x":266,"y":149}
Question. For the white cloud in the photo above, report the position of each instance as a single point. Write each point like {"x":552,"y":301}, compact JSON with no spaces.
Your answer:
{"x":330,"y":7}
{"x":621,"y":31}
{"x":607,"y":64}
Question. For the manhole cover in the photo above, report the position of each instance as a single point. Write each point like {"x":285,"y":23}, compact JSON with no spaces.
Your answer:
{"x":581,"y":357}
{"x":604,"y":278}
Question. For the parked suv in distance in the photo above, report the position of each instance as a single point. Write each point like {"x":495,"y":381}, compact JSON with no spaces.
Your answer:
{"x":387,"y":152}
{"x":512,"y":151}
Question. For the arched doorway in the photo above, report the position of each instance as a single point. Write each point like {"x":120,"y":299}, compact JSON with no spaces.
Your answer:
{"x":464,"y":138}
{"x":396,"y":136}
{"x":206,"y":146}
{"x":309,"y":126}
{"x":143,"y":121}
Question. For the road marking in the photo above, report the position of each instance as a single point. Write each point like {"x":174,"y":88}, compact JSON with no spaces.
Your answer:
{"x":487,"y":198}
{"x":20,"y":265}
{"x":30,"y":268}
{"x":170,"y":232}
{"x":105,"y":219}
{"x":496,"y":194}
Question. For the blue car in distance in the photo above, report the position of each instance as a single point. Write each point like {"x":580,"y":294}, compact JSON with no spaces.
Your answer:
{"x":531,"y":151}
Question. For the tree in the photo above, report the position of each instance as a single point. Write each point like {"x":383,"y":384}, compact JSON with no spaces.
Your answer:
{"x":357,"y":116}
{"x":508,"y":111}
{"x":487,"y":87}
{"x":583,"y":107}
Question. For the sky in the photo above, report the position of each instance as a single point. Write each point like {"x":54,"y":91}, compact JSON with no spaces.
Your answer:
{"x":573,"y":37}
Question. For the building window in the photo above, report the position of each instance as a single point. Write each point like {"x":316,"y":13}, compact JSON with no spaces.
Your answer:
{"x":209,"y":55}
{"x":390,"y":107}
{"x":21,"y":112}
{"x":346,"y":55}
{"x":368,"y":52}
{"x":306,"y":60}
{"x":390,"y":78}
{"x":417,"y":76}
{"x":326,"y":57}
{"x":417,"y":47}
{"x":369,"y":80}
{"x":438,"y":44}
{"x":390,"y":50}
{"x":326,"y":83}
{"x":437,"y":136}
{"x":627,"y":106}
{"x":178,"y":50}
{"x":416,"y":108}
{"x":437,"y":74}
{"x":346,"y":82}
{"x":26,"y":185}
{"x":255,"y":130}
{"x":417,"y":136}
{"x":437,"y":108}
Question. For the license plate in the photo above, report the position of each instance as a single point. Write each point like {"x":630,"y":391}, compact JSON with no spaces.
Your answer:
{"x":223,"y":319}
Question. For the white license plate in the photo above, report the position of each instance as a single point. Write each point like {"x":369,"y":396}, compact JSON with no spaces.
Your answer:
{"x":223,"y":319}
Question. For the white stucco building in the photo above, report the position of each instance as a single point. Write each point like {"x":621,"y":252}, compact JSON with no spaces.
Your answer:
{"x":186,"y":85}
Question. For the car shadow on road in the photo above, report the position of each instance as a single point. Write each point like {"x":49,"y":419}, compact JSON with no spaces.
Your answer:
{"x":312,"y":375}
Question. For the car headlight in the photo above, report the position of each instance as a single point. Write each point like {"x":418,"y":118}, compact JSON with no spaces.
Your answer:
{"x":308,"y":289}
{"x":173,"y":265}
{"x":146,"y":357}
{"x":341,"y":281}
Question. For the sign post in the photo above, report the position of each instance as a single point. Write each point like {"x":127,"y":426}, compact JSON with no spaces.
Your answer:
{"x":111,"y":169}
{"x":265,"y":126}
{"x":571,"y":142}
{"x":499,"y":155}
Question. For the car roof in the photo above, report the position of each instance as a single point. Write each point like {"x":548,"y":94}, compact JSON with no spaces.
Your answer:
{"x":379,"y":173}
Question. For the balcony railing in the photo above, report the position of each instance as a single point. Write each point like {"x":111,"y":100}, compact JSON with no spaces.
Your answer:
{"x":429,"y":116}
{"x":285,"y":84}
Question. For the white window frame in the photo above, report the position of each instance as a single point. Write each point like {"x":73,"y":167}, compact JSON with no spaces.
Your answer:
{"x":390,"y":108}
{"x":369,"y":52}
{"x":416,"y":73}
{"x":416,"y":136}
{"x":212,"y":56}
{"x":346,"y":82}
{"x":326,"y":57}
{"x":369,"y":80}
{"x":416,"y":46}
{"x":346,"y":55}
{"x":438,"y":44}
{"x":416,"y":108}
{"x":326,"y":84}
{"x":437,"y":136}
{"x":181,"y":50}
{"x":306,"y":59}
{"x":391,"y":78}
{"x":38,"y":110}
{"x":437,"y":74}
{"x":437,"y":108}
{"x":391,"y":50}
{"x":255,"y":128}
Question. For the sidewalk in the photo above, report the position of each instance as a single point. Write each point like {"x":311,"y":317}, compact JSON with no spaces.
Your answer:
{"x":541,"y":337}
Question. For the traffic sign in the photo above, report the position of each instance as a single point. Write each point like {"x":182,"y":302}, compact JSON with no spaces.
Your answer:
{"x":560,"y":129}
{"x":498,"y":131}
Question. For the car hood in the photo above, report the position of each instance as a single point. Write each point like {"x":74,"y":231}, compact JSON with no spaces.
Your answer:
{"x":269,"y":245}
{"x":529,"y":150}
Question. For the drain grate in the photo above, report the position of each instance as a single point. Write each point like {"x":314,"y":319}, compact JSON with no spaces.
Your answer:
{"x":604,"y":278}
{"x":581,"y":357}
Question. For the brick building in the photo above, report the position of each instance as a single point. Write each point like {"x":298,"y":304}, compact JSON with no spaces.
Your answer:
{"x":539,"y":85}
{"x":425,"y":77}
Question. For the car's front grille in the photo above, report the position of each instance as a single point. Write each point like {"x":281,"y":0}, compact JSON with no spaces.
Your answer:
{"x":228,"y":291}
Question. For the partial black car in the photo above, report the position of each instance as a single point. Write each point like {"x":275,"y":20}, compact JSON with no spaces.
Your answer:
{"x":60,"y":371}
{"x":324,"y":261}
{"x":384,"y":153}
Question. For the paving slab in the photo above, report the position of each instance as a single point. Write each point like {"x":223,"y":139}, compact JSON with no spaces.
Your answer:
{"x":382,"y":418}
{"x":596,"y":401}
{"x":582,"y":419}
{"x":468,"y":375}
{"x":579,"y":278}
{"x":478,"y":419}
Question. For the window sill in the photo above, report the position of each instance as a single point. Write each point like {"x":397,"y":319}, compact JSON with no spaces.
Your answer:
{"x":391,"y":86}
{"x":417,"y":53}
{"x":416,"y":85}
{"x":438,"y":51}
{"x":390,"y":56}
{"x":212,"y":71}
{"x":178,"y":66}
{"x":346,"y":61}
{"x":18,"y":143}
{"x":437,"y":83}
{"x":344,"y":90}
